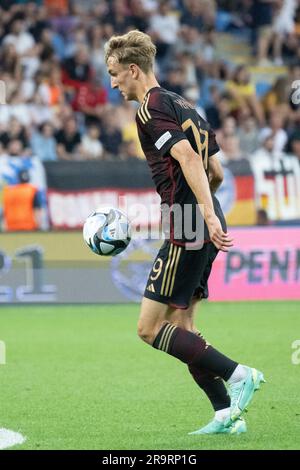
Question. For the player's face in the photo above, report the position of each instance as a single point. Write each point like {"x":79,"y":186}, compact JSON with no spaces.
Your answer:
{"x":122,"y":77}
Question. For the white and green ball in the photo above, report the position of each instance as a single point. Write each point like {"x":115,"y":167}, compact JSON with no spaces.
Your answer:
{"x":107,"y":231}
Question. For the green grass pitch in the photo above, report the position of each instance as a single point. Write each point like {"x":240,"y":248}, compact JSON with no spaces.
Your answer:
{"x":78,"y":377}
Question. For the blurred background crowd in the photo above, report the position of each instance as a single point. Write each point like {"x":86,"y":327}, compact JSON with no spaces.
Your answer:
{"x":238,"y":61}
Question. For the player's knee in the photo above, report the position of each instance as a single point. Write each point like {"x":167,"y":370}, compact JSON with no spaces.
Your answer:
{"x":148,"y":333}
{"x":145,"y":333}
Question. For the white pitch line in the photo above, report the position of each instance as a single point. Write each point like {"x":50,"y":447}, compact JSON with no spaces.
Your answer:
{"x":10,"y":438}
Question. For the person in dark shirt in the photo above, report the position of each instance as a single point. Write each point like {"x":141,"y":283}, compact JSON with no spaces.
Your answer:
{"x":76,"y":69}
{"x":68,"y":141}
{"x":262,"y":17}
{"x":15,"y":131}
{"x":181,"y":152}
{"x":111,"y":136}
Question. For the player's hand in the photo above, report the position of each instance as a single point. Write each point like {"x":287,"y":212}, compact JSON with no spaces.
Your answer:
{"x":220,"y":239}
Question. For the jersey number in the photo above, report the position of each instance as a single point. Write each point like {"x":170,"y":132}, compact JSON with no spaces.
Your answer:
{"x":202,"y":147}
{"x":156,"y":269}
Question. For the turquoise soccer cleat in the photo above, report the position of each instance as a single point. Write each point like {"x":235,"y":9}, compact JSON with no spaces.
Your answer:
{"x":218,"y":427}
{"x":241,"y":393}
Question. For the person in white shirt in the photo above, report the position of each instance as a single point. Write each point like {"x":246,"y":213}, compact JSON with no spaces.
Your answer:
{"x":21,"y":39}
{"x":91,"y":147}
{"x":283,"y":24}
{"x":164,"y":27}
{"x":276,"y":128}
{"x":25,"y":47}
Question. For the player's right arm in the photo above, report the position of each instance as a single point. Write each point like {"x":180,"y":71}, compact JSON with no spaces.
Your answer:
{"x":194,"y":173}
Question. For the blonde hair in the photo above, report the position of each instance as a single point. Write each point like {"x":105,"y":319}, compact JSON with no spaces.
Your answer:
{"x":134,"y":47}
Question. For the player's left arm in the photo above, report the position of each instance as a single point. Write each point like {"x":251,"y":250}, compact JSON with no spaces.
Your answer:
{"x":215,"y":173}
{"x":192,"y":167}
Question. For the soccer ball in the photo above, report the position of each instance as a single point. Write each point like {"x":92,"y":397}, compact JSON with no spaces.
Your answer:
{"x":107,"y":231}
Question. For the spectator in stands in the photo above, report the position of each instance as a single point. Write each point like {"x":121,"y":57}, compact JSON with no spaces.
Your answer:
{"x":276,"y":128}
{"x":277,"y":96}
{"x":77,"y":69}
{"x":231,"y":150}
{"x":218,"y":108}
{"x":164,"y":27}
{"x":129,"y":134}
{"x":229,"y":128}
{"x":186,"y":63}
{"x":97,"y":40}
{"x":248,"y":135}
{"x":192,"y":95}
{"x":111,"y":135}
{"x":189,"y":42}
{"x":138,"y":15}
{"x":264,"y":155}
{"x":209,"y":8}
{"x":18,"y":109}
{"x":91,"y":146}
{"x":51,"y":88}
{"x":10,"y":61}
{"x":199,"y":14}
{"x":77,"y":40}
{"x":243,"y":95}
{"x":126,"y":112}
{"x":262,"y":18}
{"x":174,"y":80}
{"x":45,"y":47}
{"x":126,"y":121}
{"x":68,"y":141}
{"x":15,"y":131}
{"x":128,"y":150}
{"x":39,"y":21}
{"x":43,"y":143}
{"x":91,"y":99}
{"x":39,"y":112}
{"x":25,"y":46}
{"x":291,"y":48}
{"x":227,"y":137}
{"x":22,"y":40}
{"x":283,"y":25}
{"x":118,"y":16}
{"x":14,"y":148}
{"x":11,"y":86}
{"x":229,"y":125}
{"x":208,"y":50}
{"x":21,"y":205}
{"x":64,"y":24}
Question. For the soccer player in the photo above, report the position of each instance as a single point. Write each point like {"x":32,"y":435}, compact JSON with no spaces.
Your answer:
{"x":181,"y":152}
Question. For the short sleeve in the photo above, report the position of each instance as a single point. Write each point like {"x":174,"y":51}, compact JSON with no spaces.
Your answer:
{"x":158,"y":121}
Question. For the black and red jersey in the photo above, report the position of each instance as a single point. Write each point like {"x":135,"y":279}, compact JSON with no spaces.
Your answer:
{"x":163,"y":119}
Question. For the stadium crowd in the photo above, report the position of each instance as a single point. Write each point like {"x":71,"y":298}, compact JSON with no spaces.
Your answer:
{"x":57,"y":103}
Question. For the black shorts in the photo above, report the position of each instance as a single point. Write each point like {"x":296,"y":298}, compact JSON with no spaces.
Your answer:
{"x":178,"y":275}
